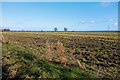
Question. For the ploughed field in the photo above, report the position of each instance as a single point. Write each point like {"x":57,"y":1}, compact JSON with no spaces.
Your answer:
{"x":95,"y":53}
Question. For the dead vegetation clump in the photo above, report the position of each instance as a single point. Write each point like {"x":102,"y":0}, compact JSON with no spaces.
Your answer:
{"x":47,"y":47}
{"x":60,"y":58}
{"x":5,"y":40}
{"x":59,"y":48}
{"x":48,"y":50}
{"x":60,"y":53}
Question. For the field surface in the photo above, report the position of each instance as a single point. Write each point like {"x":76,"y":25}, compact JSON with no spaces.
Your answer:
{"x":60,"y":55}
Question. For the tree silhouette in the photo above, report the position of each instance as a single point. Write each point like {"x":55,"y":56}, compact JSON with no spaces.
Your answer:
{"x":55,"y":29}
{"x":5,"y":30}
{"x":65,"y":29}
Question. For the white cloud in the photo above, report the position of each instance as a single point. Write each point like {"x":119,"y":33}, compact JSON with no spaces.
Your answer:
{"x":115,"y":23}
{"x":105,"y":4}
{"x":92,"y":21}
{"x":109,"y":20}
{"x":83,"y":22}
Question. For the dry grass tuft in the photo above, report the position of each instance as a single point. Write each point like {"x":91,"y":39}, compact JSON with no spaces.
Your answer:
{"x":59,"y":48}
{"x":59,"y":51}
{"x":82,"y":66}
{"x":49,"y":48}
{"x":48,"y":51}
{"x":5,"y":40}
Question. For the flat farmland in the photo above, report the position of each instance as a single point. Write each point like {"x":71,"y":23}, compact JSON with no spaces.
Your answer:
{"x":94,"y":53}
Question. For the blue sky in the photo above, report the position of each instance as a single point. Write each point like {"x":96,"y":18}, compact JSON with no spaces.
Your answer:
{"x":77,"y":16}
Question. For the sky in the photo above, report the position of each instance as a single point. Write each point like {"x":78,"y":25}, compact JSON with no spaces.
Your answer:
{"x":59,"y":0}
{"x":76,"y":16}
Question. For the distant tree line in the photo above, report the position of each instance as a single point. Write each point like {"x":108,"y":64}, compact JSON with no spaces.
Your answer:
{"x":56,"y":29}
{"x":3,"y":30}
